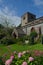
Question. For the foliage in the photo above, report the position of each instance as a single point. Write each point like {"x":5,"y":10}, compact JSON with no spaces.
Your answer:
{"x":2,"y":35}
{"x":29,"y":57}
{"x":33,"y":35}
{"x":7,"y":40}
{"x":1,"y":26}
{"x":21,"y":40}
{"x":6,"y":35}
{"x":1,"y":61}
{"x":19,"y":25}
{"x":42,"y":39}
{"x":9,"y":30}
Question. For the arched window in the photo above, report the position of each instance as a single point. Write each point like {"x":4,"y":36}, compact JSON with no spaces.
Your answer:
{"x":32,"y":29}
{"x":14,"y":35}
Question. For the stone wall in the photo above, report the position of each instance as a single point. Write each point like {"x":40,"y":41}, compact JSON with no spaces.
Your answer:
{"x":36,"y":24}
{"x":28,"y":29}
{"x":26,"y":18}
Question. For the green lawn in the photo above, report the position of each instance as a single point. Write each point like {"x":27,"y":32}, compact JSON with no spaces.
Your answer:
{"x":16,"y":47}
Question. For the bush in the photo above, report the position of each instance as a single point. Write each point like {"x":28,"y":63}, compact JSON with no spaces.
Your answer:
{"x":28,"y":57}
{"x":21,"y":40}
{"x":1,"y":62}
{"x":33,"y":35}
{"x":7,"y":40}
{"x":2,"y":35}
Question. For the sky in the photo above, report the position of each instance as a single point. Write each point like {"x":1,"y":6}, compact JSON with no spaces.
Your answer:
{"x":12,"y":10}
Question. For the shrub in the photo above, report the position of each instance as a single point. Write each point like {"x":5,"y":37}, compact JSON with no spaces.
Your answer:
{"x":26,"y":57}
{"x":7,"y":40}
{"x":1,"y":62}
{"x":33,"y":35}
{"x":22,"y":39}
{"x":2,"y":35}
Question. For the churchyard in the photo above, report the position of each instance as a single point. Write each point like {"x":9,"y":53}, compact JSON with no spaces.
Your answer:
{"x":26,"y":50}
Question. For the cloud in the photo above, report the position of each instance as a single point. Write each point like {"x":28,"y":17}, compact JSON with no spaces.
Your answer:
{"x":9,"y":15}
{"x":38,"y":2}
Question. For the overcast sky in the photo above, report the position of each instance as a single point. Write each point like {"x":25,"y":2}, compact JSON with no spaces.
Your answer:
{"x":14,"y":9}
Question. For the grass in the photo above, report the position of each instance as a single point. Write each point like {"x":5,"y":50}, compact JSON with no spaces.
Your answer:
{"x":17,"y":47}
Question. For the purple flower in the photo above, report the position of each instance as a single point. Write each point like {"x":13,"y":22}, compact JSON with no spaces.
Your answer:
{"x":8,"y":62}
{"x":19,"y":55}
{"x":12,"y":57}
{"x":24,"y":63}
{"x":31,"y":59}
{"x":37,"y":53}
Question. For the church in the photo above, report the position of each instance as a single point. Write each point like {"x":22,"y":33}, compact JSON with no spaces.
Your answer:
{"x":28,"y":23}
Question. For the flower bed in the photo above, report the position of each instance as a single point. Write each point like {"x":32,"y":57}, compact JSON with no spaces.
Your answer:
{"x":24,"y":58}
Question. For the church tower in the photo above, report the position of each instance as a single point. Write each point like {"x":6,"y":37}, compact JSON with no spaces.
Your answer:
{"x":27,"y":18}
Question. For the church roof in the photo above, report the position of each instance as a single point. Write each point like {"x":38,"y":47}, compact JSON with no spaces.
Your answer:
{"x":35,"y":22}
{"x":28,"y":13}
{"x":20,"y":31}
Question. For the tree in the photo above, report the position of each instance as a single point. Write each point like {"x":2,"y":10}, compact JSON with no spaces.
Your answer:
{"x":1,"y":26}
{"x":33,"y":35}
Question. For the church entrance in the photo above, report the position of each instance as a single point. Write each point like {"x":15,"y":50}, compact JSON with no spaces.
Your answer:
{"x":14,"y":34}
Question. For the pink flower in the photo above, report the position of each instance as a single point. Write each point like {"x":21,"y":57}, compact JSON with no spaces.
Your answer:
{"x":24,"y":63}
{"x":12,"y":57}
{"x":31,"y":59}
{"x":37,"y":53}
{"x":8,"y":62}
{"x":19,"y":54}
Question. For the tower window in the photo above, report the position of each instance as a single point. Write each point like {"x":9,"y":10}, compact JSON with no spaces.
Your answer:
{"x":32,"y":17}
{"x":23,"y":18}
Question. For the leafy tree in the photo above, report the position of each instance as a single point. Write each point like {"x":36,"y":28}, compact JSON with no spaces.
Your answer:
{"x":19,"y":25}
{"x":1,"y":26}
{"x":33,"y":35}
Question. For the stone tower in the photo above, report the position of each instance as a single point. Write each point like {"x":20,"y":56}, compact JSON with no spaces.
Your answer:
{"x":26,"y":18}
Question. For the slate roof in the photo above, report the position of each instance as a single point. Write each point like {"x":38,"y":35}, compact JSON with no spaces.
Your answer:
{"x":35,"y":22}
{"x":20,"y":32}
